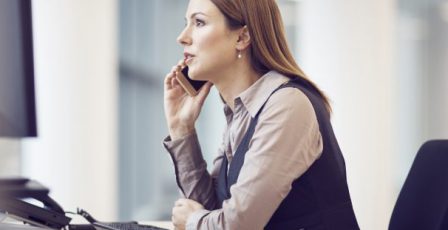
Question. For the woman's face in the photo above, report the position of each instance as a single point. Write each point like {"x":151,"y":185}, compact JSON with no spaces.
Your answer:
{"x":209,"y":45}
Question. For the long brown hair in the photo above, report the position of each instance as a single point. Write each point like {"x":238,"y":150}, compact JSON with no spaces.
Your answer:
{"x":269,"y":49}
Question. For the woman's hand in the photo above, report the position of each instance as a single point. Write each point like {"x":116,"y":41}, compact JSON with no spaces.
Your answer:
{"x":182,"y":209}
{"x":181,"y":110}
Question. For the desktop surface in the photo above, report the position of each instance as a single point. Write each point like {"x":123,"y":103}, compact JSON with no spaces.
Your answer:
{"x":161,"y":224}
{"x":10,"y":225}
{"x":13,"y":224}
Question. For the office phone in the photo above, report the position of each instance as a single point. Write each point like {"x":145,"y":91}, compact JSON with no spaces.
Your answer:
{"x":14,"y":192}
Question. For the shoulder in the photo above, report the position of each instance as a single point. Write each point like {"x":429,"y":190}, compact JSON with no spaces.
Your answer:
{"x":289,"y":120}
{"x":289,"y":103}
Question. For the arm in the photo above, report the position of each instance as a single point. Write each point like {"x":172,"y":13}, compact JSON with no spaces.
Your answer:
{"x":191,"y":170}
{"x":285,"y":143}
{"x":181,"y":113}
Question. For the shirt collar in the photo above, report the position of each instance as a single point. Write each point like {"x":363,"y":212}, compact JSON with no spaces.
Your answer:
{"x":258,"y":93}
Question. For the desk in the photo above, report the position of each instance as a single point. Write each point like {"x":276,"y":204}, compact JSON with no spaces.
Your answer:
{"x":16,"y":226}
{"x":162,"y":224}
{"x":13,"y":224}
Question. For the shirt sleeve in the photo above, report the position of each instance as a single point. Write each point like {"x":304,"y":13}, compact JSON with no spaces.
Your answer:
{"x":285,"y":144}
{"x":191,"y":172}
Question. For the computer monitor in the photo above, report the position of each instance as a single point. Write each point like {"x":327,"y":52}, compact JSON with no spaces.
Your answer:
{"x":17,"y":100}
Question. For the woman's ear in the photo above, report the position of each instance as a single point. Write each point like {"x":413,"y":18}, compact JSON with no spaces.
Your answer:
{"x":243,"y":38}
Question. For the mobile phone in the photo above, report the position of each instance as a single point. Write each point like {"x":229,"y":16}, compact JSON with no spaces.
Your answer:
{"x":190,"y":86}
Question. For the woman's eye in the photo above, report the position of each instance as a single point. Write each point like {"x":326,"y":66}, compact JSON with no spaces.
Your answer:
{"x":199,"y":22}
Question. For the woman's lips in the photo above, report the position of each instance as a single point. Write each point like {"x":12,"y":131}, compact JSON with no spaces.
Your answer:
{"x":188,"y":59}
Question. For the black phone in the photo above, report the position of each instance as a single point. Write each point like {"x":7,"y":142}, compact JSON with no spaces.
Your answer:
{"x":190,"y":86}
{"x":13,"y":195}
{"x":16,"y":192}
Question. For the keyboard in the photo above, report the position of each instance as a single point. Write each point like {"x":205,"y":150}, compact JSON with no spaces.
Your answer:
{"x":133,"y":225}
{"x":125,"y":226}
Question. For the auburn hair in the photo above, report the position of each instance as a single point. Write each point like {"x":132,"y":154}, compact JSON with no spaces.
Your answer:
{"x":268,"y":49}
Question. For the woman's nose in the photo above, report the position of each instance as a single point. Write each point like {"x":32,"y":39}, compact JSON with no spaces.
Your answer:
{"x":184,"y":38}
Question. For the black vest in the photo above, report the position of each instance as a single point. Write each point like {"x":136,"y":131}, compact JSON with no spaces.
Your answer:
{"x":319,"y":199}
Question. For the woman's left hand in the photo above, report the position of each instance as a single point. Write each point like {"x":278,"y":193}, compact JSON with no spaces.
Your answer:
{"x":182,"y":209}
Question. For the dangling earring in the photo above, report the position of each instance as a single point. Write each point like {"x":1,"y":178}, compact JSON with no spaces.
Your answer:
{"x":239,"y":54}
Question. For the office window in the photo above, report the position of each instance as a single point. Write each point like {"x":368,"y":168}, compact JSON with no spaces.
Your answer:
{"x":422,"y":51}
{"x":147,"y":32}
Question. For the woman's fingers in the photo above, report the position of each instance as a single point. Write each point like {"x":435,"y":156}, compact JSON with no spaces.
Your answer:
{"x":180,"y":202}
{"x":170,"y":79}
{"x":174,"y":82}
{"x":181,"y":63}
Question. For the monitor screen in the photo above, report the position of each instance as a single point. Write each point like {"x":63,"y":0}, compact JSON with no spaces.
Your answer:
{"x":17,"y":103}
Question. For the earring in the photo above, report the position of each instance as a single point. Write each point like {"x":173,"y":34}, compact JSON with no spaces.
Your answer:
{"x":239,"y":54}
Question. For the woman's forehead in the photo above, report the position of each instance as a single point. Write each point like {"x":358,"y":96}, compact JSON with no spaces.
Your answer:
{"x":201,"y":7}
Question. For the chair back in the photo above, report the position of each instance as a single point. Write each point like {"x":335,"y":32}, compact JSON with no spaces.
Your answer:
{"x":423,"y":200}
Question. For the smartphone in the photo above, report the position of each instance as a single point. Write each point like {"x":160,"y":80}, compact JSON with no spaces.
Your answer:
{"x":190,"y":86}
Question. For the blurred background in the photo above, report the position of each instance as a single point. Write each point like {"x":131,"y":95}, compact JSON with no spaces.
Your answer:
{"x":99,"y":94}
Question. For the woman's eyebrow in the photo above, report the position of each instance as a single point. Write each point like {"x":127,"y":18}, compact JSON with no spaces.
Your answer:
{"x":195,"y":13}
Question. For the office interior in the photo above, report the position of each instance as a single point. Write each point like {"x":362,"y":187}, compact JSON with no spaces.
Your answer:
{"x":99,"y":69}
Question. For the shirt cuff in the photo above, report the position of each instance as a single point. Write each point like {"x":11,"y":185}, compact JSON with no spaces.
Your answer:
{"x":195,"y":218}
{"x":185,"y":152}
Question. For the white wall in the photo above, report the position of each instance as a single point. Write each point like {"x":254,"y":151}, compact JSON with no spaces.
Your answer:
{"x":76,"y":89}
{"x":9,"y":157}
{"x":348,"y":49}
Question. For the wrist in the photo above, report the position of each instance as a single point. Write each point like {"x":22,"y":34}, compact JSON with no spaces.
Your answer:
{"x":179,"y":131}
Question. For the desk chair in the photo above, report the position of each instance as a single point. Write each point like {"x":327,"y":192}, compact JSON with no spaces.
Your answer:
{"x":423,"y":200}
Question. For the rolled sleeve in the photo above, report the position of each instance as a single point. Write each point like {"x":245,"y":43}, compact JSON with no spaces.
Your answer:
{"x":190,"y":168}
{"x":185,"y":152}
{"x":195,"y":218}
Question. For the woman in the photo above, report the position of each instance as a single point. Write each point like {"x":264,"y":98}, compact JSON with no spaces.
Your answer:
{"x":279,"y":166}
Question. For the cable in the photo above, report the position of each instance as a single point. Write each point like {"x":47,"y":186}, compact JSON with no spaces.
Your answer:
{"x":68,"y":212}
{"x":86,"y":215}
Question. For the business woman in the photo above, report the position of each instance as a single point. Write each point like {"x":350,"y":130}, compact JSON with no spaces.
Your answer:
{"x":279,"y":166}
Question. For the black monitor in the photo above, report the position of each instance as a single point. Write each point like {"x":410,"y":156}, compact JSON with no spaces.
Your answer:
{"x":17,"y":102}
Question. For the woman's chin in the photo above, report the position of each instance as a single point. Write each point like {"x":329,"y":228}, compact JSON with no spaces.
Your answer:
{"x":194,"y":75}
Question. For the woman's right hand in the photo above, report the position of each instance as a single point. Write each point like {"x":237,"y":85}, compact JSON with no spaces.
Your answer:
{"x":181,"y":110}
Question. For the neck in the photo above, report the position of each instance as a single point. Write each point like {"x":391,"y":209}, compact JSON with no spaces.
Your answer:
{"x":235,"y":80}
